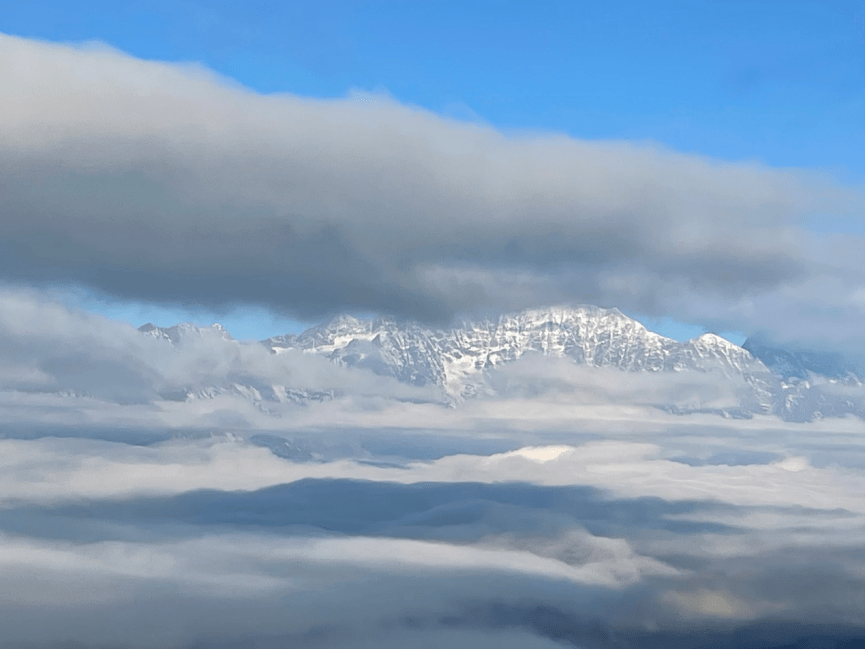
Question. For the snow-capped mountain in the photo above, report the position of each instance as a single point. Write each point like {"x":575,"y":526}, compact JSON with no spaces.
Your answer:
{"x":813,"y":384}
{"x":464,"y":361}
{"x":457,"y":359}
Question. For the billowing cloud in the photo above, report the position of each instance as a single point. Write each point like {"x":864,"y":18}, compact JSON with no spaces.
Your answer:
{"x":165,"y":182}
{"x":51,"y":349}
{"x":562,"y":380}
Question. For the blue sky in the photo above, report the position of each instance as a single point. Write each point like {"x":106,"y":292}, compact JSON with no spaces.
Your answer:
{"x":780,"y":83}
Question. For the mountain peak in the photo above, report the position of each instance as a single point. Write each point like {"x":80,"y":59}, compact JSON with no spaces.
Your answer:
{"x":570,"y":311}
{"x":176,"y":333}
{"x":714,"y":339}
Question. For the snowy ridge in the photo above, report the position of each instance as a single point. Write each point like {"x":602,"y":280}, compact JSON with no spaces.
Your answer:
{"x":463,"y":362}
{"x":457,"y":360}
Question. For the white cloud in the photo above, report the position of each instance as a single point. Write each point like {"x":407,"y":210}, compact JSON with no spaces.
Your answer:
{"x":52,"y":349}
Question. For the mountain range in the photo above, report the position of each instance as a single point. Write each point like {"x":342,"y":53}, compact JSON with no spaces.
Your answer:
{"x":471,"y":360}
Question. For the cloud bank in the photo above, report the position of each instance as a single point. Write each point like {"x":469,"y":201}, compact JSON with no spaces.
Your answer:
{"x":211,"y":542}
{"x":164,"y":182}
{"x":65,"y":368}
{"x":566,"y":511}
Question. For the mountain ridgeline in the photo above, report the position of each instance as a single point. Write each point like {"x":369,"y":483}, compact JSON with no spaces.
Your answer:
{"x":469,"y":361}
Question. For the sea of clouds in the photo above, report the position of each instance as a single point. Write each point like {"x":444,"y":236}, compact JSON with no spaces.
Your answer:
{"x":578,"y":514}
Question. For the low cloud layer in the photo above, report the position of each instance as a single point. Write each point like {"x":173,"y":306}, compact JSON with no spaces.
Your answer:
{"x":70,"y":367}
{"x":165,"y":182}
{"x":565,"y":511}
{"x":601,"y":544}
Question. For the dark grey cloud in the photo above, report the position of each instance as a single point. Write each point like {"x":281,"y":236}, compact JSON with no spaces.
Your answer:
{"x":454,"y":512}
{"x":165,"y":182}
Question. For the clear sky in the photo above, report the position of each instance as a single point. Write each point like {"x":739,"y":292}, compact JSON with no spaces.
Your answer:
{"x":780,"y":83}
